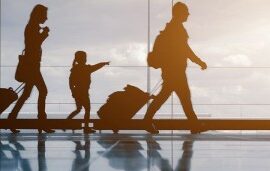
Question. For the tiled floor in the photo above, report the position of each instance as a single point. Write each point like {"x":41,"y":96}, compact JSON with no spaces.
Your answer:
{"x":211,"y":151}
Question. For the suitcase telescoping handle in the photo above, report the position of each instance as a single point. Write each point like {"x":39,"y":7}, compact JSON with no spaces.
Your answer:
{"x":156,"y":87}
{"x":20,"y":88}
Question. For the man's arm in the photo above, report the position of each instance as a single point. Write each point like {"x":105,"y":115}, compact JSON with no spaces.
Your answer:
{"x":98,"y":66}
{"x":194,"y":58}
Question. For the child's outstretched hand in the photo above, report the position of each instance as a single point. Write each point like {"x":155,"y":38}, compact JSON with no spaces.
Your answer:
{"x":106,"y":63}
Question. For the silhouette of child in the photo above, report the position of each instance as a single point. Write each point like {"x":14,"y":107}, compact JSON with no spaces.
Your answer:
{"x":79,"y":82}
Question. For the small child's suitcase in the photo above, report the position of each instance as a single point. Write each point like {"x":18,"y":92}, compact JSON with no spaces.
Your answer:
{"x":8,"y":96}
{"x":123,"y":105}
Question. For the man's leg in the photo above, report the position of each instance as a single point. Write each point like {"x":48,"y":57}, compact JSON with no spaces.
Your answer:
{"x":183,"y":92}
{"x":155,"y":106}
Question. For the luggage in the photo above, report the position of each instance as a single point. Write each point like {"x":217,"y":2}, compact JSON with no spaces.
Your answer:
{"x":123,"y":105}
{"x":8,"y":96}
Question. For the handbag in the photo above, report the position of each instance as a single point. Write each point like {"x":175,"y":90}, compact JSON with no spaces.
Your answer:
{"x":22,"y":70}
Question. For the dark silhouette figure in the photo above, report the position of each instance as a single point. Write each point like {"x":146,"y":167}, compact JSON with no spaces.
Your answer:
{"x":34,"y":36}
{"x":173,"y":67}
{"x":79,"y":82}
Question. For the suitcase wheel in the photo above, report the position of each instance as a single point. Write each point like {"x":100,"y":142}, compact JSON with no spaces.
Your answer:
{"x":115,"y":131}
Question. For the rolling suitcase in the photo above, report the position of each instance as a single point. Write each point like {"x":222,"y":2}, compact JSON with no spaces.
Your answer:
{"x":8,"y":96}
{"x":123,"y":105}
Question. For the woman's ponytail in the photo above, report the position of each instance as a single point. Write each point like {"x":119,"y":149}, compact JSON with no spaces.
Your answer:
{"x":74,"y":63}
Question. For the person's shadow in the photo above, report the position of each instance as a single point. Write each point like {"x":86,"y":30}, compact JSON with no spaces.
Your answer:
{"x":126,"y":153}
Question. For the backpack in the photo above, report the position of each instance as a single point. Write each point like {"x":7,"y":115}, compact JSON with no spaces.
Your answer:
{"x":161,"y":48}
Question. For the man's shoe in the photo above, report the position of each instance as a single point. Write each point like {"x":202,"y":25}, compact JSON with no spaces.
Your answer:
{"x":200,"y":128}
{"x":152,"y":129}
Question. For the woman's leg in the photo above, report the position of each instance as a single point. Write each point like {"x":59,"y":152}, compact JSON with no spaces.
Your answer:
{"x":42,"y":89}
{"x":25,"y":95}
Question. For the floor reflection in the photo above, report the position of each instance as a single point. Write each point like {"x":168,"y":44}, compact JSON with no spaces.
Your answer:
{"x":125,"y":153}
{"x":42,"y":165}
{"x":129,"y":152}
{"x":184,"y":163}
{"x":81,"y":162}
{"x":13,"y":160}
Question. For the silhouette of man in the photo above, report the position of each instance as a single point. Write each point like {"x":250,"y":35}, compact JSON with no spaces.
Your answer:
{"x":34,"y":36}
{"x":173,"y":68}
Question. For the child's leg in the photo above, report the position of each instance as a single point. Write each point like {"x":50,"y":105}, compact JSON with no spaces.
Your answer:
{"x":78,"y":109}
{"x":87,"y":107}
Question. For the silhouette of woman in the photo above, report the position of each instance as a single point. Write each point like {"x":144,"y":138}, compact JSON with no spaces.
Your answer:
{"x":79,"y":83}
{"x":34,"y":36}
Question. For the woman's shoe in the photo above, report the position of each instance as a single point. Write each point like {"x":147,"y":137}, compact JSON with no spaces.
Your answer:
{"x":46,"y":130}
{"x":49,"y":130}
{"x":89,"y":131}
{"x":14,"y":131}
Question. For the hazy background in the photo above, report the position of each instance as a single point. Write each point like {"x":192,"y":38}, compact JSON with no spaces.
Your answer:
{"x":233,"y":37}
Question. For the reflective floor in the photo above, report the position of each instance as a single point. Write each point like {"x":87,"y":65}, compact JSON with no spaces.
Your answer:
{"x":211,"y":151}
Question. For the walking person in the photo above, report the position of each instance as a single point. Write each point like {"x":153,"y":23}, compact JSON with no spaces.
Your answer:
{"x":34,"y":36}
{"x":172,"y":52}
{"x":79,"y":83}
